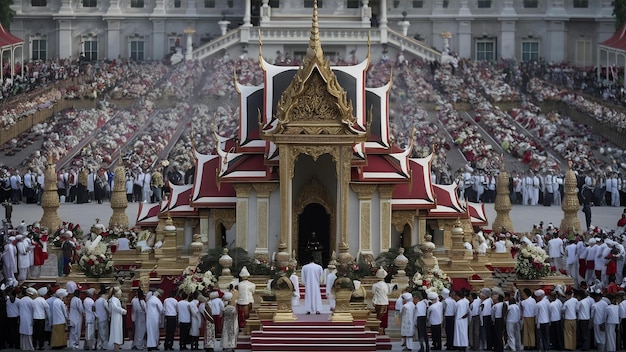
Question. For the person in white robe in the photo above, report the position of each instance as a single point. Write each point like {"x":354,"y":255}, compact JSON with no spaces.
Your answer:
{"x":90,"y":319}
{"x":138,"y":304}
{"x":41,"y":311}
{"x":76,"y":319}
{"x":461,"y":340}
{"x":330,"y":290}
{"x":101,"y":307}
{"x":9,"y":262}
{"x":23,"y":259}
{"x":154,"y":314}
{"x":116,"y":329}
{"x":295,"y":299}
{"x":229,"y":325}
{"x":196,"y":320}
{"x":25,"y":307}
{"x":311,"y":277}
{"x":58,"y":320}
{"x":407,"y":321}
{"x":246,"y":296}
{"x":380,"y":299}
{"x":146,"y":190}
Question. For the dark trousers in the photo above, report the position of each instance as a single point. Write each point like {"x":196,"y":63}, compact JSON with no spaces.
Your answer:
{"x":584,"y":334}
{"x":544,"y":337}
{"x":184,"y":335}
{"x":435,"y":331}
{"x":499,"y":328}
{"x":13,"y":338}
{"x":547,"y":199}
{"x":170,"y":330}
{"x":556,"y":335}
{"x":486,"y":332}
{"x":422,"y":334}
{"x":449,"y":332}
{"x":39,"y":333}
{"x":622,"y":332}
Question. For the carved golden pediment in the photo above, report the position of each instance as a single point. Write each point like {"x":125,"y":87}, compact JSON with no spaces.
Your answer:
{"x":399,"y":218}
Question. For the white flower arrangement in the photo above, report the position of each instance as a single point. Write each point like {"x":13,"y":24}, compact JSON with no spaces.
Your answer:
{"x":193,"y":281}
{"x":532,"y":263}
{"x":435,"y":280}
{"x":96,"y":260}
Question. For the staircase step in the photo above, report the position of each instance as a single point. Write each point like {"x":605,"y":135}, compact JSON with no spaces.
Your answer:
{"x":283,"y":346}
{"x":323,"y":335}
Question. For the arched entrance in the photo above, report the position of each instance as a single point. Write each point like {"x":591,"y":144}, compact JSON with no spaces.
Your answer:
{"x":314,"y":219}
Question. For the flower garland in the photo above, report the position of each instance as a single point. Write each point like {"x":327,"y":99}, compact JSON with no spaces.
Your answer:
{"x":532,"y":263}
{"x":435,"y":280}
{"x":96,"y":260}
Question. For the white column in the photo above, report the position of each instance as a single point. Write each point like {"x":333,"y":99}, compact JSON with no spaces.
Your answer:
{"x":464,"y":9}
{"x":383,"y":14}
{"x":65,"y":38}
{"x":189,"y":48}
{"x":405,"y":26}
{"x":247,"y":13}
{"x":114,"y":39}
{"x":158,"y":39}
{"x":243,"y":194}
{"x":507,"y":39}
{"x":385,"y":192}
{"x":266,"y":12}
{"x":66,"y":7}
{"x":366,"y":14}
{"x":159,"y":7}
{"x":465,"y":39}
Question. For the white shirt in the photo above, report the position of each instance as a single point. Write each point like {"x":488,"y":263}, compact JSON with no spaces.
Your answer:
{"x":102,"y":309}
{"x":13,"y":310}
{"x":543,"y":311}
{"x":475,"y":307}
{"x":449,"y":307}
{"x":556,"y":307}
{"x":486,"y":307}
{"x":622,"y":309}
{"x":612,"y":314}
{"x":584,"y":308}
{"x":169,"y":307}
{"x":421,"y":308}
{"x":89,"y":305}
{"x":572,"y":253}
{"x":513,"y":314}
{"x":569,"y":309}
{"x":184,"y":315}
{"x":40,"y":308}
{"x":598,"y":312}
{"x":555,"y":246}
{"x":435,"y":313}
{"x":58,"y":312}
{"x":217,"y":306}
{"x":528,"y":307}
{"x":497,"y":311}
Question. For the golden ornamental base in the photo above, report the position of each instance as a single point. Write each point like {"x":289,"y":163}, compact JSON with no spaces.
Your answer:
{"x":284,"y":317}
{"x":341,"y":317}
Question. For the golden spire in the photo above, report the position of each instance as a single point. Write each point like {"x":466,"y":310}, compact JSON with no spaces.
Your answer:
{"x":315,"y":48}
{"x":260,"y":47}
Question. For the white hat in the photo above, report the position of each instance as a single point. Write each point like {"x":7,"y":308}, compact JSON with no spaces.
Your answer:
{"x":227,"y":296}
{"x":71,"y":286}
{"x":31,"y":291}
{"x":61,"y":293}
{"x":244,"y":272}
{"x":486,"y":291}
{"x":381,"y":273}
{"x":91,"y":291}
{"x":431,"y":296}
{"x":609,"y":243}
{"x":68,"y":234}
{"x":214,"y":294}
{"x":540,"y":293}
{"x":592,"y":240}
{"x":407,"y":296}
{"x":445,"y":293}
{"x":18,"y":237}
{"x":42,"y":291}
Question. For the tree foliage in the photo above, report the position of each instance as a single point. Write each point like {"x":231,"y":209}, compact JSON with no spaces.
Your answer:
{"x":619,"y":11}
{"x":6,"y":13}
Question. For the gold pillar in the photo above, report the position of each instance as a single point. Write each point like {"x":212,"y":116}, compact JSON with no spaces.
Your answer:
{"x":263,"y":192}
{"x":285,"y":174}
{"x":243,"y":193}
{"x":345,"y":173}
{"x":570,"y":204}
{"x":50,"y":198}
{"x":365,"y":193}
{"x":503,"y":202}
{"x":118,"y":199}
{"x":385,"y":192}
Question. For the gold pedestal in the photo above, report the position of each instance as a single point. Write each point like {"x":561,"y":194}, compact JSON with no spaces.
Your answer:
{"x":341,"y":317}
{"x":119,"y":202}
{"x":284,"y":317}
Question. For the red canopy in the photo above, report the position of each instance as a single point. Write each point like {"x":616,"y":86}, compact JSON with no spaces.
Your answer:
{"x":7,"y":39}
{"x":618,"y":40}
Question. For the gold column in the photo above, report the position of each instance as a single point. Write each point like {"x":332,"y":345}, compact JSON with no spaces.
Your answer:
{"x":344,"y":167}
{"x":286,"y":175}
{"x":365,"y":193}
{"x":503,"y":202}
{"x":118,"y":199}
{"x":243,"y":193}
{"x":50,"y":198}
{"x":263,"y":192}
{"x":570,"y":204}
{"x":385,"y":192}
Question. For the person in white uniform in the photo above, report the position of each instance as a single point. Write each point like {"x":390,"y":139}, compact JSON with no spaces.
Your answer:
{"x":311,"y":276}
{"x":154,"y":313}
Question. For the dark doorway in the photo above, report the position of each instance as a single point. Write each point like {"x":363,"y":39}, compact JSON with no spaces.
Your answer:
{"x":313,"y":219}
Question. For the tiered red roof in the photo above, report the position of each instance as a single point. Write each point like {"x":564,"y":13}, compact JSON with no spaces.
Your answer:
{"x":8,"y":39}
{"x":618,"y":40}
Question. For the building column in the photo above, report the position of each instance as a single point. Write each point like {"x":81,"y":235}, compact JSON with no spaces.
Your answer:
{"x":385,"y":192}
{"x":203,"y":215}
{"x":365,"y":193}
{"x":243,"y":193}
{"x":465,"y":39}
{"x":344,"y":167}
{"x":286,"y":190}
{"x":189,"y":49}
{"x":557,"y":38}
{"x":64,"y":33}
{"x":158,"y":39}
{"x":506,"y":39}
{"x":263,"y":192}
{"x":159,"y":8}
{"x":247,"y":13}
{"x":382,"y":21}
{"x":114,"y":39}
{"x":266,"y":12}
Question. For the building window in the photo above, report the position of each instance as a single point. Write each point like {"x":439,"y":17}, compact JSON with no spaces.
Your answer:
{"x":90,"y":49}
{"x":531,"y":4}
{"x":483,"y":4}
{"x":353,"y":4}
{"x":446,"y":3}
{"x":137,"y":50}
{"x":530,"y":51}
{"x":209,"y":4}
{"x":90,"y":3}
{"x":583,"y":52}
{"x":178,"y":4}
{"x":39,"y":3}
{"x":485,"y":50}
{"x":309,"y":4}
{"x":274,"y":4}
{"x":39,"y":49}
{"x":581,"y":4}
{"x":418,"y":4}
{"x":138,"y":4}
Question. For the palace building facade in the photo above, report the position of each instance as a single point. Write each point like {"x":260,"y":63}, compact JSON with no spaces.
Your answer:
{"x":554,"y":30}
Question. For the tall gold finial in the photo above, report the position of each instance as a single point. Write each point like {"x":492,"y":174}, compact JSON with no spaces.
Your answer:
{"x":315,"y":49}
